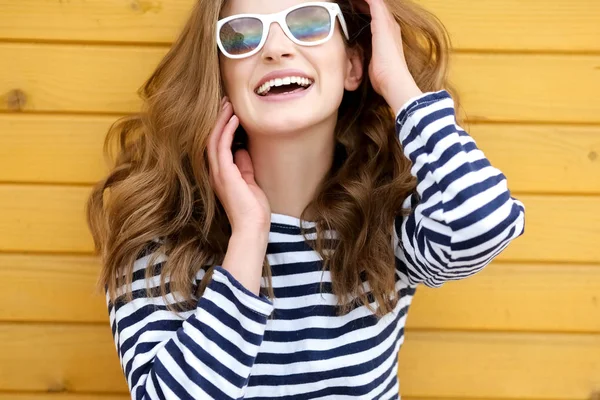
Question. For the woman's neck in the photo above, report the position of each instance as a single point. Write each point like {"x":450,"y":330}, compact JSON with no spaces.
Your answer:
{"x":289,"y":168}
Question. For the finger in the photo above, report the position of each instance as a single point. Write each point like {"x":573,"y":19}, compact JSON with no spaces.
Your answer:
{"x":379,"y":11}
{"x":375,"y":15}
{"x":244,"y":164}
{"x":383,"y":24}
{"x":215,"y":135}
{"x":224,"y":154}
{"x":222,"y":117}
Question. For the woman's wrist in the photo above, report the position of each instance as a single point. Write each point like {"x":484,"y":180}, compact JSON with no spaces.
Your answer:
{"x":244,"y":257}
{"x":398,"y":100}
{"x":399,"y":92}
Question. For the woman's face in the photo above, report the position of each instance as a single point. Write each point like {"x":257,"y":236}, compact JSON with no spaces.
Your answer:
{"x":330,"y":68}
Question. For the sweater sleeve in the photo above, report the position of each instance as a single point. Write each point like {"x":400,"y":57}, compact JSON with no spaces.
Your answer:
{"x":206,"y":353}
{"x":463,"y":214}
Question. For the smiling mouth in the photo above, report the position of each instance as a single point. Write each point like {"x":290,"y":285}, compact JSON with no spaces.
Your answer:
{"x":284,"y":86}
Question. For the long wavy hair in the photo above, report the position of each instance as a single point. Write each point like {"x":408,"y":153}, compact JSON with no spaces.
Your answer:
{"x":158,"y":193}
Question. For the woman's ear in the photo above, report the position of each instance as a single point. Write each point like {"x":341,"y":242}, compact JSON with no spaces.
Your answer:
{"x":354,"y":69}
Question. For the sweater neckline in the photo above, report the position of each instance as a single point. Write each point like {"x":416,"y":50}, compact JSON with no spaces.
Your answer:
{"x":288,"y":220}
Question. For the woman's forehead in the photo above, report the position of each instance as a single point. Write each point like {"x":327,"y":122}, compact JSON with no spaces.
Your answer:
{"x":232,"y":7}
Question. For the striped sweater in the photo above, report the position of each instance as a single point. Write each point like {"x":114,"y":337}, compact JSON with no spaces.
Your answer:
{"x":238,"y":345}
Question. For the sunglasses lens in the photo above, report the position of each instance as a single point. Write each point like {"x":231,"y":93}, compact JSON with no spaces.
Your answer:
{"x":241,"y":35}
{"x":309,"y":24}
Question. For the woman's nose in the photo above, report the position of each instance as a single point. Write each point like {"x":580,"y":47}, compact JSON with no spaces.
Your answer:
{"x":278,"y":45}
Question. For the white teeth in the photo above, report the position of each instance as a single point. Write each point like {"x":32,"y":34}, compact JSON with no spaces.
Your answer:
{"x":265,"y":87}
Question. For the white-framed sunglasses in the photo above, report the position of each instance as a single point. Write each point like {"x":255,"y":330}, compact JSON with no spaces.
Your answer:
{"x":306,"y":24}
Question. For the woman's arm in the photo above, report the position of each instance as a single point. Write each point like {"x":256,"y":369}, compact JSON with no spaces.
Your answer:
{"x":207,"y":355}
{"x":464,"y":214}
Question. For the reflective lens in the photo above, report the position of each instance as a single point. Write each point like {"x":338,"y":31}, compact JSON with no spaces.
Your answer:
{"x":309,"y":24}
{"x":241,"y":35}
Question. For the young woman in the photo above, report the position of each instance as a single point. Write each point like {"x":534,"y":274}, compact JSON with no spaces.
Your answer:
{"x":297,"y":171}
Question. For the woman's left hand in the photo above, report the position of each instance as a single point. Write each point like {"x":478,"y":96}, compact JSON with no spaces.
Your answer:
{"x":388,"y":70}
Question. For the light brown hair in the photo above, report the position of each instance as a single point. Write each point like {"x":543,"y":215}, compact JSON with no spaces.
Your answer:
{"x":158,"y":186}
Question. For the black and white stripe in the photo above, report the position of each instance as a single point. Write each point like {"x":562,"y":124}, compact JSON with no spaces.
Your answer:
{"x":466,"y":215}
{"x":229,"y":348}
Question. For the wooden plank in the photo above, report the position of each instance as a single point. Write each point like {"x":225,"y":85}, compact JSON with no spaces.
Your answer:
{"x":498,"y":365}
{"x":513,"y":297}
{"x":59,"y":358}
{"x":52,"y":223}
{"x":55,"y":78}
{"x":533,"y":25}
{"x":543,"y":158}
{"x":104,"y":79}
{"x":502,"y":297}
{"x":432,"y":364}
{"x":43,"y":218}
{"x":535,"y":158}
{"x":491,"y":24}
{"x":69,"y":281}
{"x":518,"y":87}
{"x":83,"y":396}
{"x":558,"y":229}
{"x":52,"y":149}
{"x":62,"y":396}
{"x":142,"y":21}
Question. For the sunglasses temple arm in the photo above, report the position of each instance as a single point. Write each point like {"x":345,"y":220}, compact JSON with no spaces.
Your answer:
{"x":343,"y":23}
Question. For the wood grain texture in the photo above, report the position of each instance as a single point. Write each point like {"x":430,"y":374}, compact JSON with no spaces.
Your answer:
{"x":52,"y":149}
{"x":543,"y":158}
{"x":105,"y":79}
{"x":143,"y":21}
{"x":56,"y":78}
{"x":54,"y":222}
{"x":51,"y":289}
{"x":59,"y":358}
{"x":522,"y":87}
{"x":558,"y":229}
{"x":502,"y":297}
{"x":527,"y":327}
{"x":41,"y":218}
{"x":535,"y":158}
{"x":78,"y":358}
{"x":84,"y":396}
{"x":499,"y":365}
{"x":533,"y":25}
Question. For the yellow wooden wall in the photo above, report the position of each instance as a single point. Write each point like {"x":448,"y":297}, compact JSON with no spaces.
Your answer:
{"x":528,"y":327}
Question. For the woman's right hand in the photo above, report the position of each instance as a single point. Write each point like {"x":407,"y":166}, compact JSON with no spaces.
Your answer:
{"x":232,"y":177}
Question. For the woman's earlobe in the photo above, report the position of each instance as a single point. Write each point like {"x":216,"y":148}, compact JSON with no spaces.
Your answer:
{"x":354,"y":74}
{"x":352,"y":82}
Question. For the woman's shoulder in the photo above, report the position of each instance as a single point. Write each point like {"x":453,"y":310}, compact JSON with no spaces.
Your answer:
{"x":151,"y":247}
{"x":155,"y":253}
